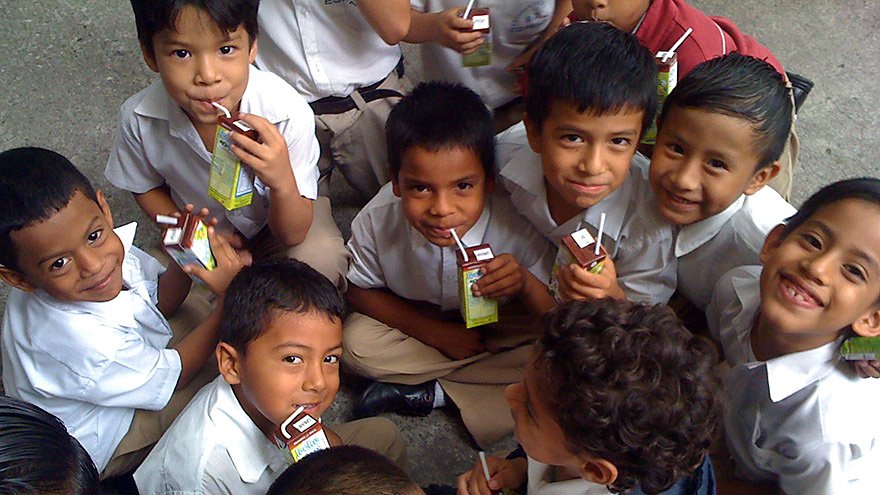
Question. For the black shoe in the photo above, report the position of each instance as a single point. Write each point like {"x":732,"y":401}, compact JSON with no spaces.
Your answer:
{"x":409,"y":400}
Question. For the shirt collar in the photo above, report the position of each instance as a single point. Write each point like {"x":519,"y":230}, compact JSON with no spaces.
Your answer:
{"x":692,"y":236}
{"x":792,"y":372}
{"x":473,"y":237}
{"x":524,"y":170}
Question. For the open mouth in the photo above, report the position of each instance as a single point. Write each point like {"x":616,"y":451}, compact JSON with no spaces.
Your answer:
{"x":103,"y":283}
{"x":796,"y":293}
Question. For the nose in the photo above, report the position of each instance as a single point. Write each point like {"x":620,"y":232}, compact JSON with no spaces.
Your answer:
{"x":206,"y":71}
{"x":314,"y":381}
{"x":89,"y":261}
{"x":685,"y":176}
{"x":591,"y":161}
{"x":818,"y":266}
{"x":442,"y":204}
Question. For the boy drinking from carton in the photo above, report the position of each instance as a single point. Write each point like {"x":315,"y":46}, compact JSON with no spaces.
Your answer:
{"x":615,"y":395}
{"x":279,"y":351}
{"x":591,"y":94}
{"x":722,"y":131}
{"x":404,"y":277}
{"x":796,"y":414}
{"x":85,"y":330}
{"x":163,"y":152}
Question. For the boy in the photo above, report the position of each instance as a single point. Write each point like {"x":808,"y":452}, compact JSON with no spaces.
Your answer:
{"x":344,"y":58}
{"x":403,"y":277}
{"x":616,"y":394}
{"x":720,"y":136}
{"x":280,"y":345}
{"x":162,"y":154}
{"x":591,"y":94}
{"x":85,"y":331}
{"x":38,"y":456}
{"x":796,"y":414}
{"x":347,"y":469}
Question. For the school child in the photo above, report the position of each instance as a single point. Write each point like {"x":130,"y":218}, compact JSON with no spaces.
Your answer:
{"x":515,"y":28}
{"x":38,"y":456}
{"x":616,"y":395}
{"x":407,"y":331}
{"x":721,"y":133}
{"x":85,"y":331}
{"x":163,"y":150}
{"x":347,"y":469}
{"x":344,"y":58}
{"x":280,"y":345}
{"x":796,"y":414}
{"x":591,"y":95}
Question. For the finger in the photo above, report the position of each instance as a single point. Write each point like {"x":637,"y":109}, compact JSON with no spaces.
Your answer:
{"x":585,"y":278}
{"x":189,"y":208}
{"x":456,"y":22}
{"x":245,"y":256}
{"x":462,"y":483}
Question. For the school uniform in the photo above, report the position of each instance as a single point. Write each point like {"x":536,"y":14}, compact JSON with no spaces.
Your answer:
{"x":157,"y":145}
{"x":387,"y":253}
{"x":805,"y":420}
{"x":636,"y":237}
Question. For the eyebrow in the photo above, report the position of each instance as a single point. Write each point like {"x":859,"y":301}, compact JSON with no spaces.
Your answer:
{"x":620,"y":132}
{"x":57,"y":254}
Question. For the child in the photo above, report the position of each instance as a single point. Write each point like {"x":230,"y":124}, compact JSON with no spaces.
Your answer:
{"x":203,"y":50}
{"x":721,"y":133}
{"x":591,"y":95}
{"x":38,"y":456}
{"x":348,"y":470}
{"x":280,"y":345}
{"x":796,"y":414}
{"x":615,"y":394}
{"x":344,"y":58}
{"x":85,"y":331}
{"x":403,"y":277}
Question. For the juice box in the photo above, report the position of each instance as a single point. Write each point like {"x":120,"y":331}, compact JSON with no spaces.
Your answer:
{"x":230,"y":183}
{"x":186,"y":241}
{"x":483,"y":55}
{"x":300,"y":435}
{"x":578,"y":247}
{"x":667,"y":79}
{"x":475,"y":310}
{"x":860,"y":348}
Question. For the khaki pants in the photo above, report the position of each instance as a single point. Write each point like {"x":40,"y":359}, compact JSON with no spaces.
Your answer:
{"x":475,"y":384}
{"x":148,"y":426}
{"x":378,"y":434}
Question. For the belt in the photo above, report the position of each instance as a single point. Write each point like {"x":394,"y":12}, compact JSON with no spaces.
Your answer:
{"x":341,"y":104}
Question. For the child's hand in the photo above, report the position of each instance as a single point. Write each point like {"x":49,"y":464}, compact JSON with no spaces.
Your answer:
{"x":229,"y":262}
{"x":576,"y":283}
{"x":456,"y":33}
{"x":269,"y":158}
{"x":867,"y":369}
{"x":455,"y":341}
{"x":506,"y":473}
{"x":502,"y":276}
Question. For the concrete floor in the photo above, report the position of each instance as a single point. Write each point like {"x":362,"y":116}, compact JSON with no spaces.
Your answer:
{"x":66,"y":66}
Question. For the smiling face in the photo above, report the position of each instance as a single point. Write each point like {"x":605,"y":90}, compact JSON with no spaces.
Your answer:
{"x":585,"y":157}
{"x":199,"y":63}
{"x":74,"y":255}
{"x":622,"y":14}
{"x":702,"y":163}
{"x":293,"y":363}
{"x":441,"y":190}
{"x":824,"y":276}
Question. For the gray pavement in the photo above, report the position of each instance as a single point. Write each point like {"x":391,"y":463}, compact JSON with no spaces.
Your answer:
{"x":66,"y":66}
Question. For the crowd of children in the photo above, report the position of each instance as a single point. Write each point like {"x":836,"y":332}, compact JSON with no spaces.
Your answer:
{"x":521,"y":278}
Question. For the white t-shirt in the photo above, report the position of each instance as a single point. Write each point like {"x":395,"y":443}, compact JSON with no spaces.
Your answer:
{"x":212,"y":448}
{"x":709,"y":248}
{"x":636,"y":237}
{"x":541,"y":482}
{"x":388,"y":253}
{"x":515,"y":25}
{"x":92,"y":364}
{"x":157,"y":144}
{"x":805,"y":419}
{"x":324,"y":48}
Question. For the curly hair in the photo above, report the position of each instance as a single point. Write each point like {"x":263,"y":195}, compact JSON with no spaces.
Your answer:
{"x":629,"y":384}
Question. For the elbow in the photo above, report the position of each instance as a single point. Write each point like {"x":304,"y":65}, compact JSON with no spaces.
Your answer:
{"x":394,"y":33}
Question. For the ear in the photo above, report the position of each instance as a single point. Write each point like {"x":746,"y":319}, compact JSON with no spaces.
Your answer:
{"x":16,"y":279}
{"x":228,"y":362}
{"x":105,"y":207}
{"x":599,"y":471}
{"x":253,"y":52}
{"x":868,"y":325}
{"x":533,"y":132}
{"x":149,"y":58}
{"x":490,"y":183}
{"x":773,"y":240}
{"x":395,"y":186}
{"x":762,"y":177}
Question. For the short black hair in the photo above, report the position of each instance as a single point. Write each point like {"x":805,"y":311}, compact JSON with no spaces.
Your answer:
{"x":153,"y":16}
{"x":864,"y":188}
{"x":629,"y":384}
{"x":440,"y":115}
{"x":38,"y":455}
{"x":347,"y":469}
{"x":35,"y":183}
{"x":595,"y":66}
{"x":274,"y":285}
{"x":742,"y":87}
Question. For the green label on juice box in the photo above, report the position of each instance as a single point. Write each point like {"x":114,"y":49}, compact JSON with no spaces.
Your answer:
{"x":229,"y":183}
{"x":860,"y":349}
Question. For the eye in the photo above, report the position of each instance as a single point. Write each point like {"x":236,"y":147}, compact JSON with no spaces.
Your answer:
{"x":621,"y":141}
{"x":718,"y":164}
{"x":180,"y":53}
{"x":59,"y":263}
{"x":674,"y":149}
{"x":419,"y":188}
{"x":572,"y":138}
{"x":226,"y":50}
{"x":812,"y":240}
{"x":293,"y":359}
{"x":331,"y":359}
{"x":464,"y":186}
{"x":94,"y":236}
{"x":856,"y":271}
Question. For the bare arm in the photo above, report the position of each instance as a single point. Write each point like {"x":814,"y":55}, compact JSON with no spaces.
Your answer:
{"x":173,"y":288}
{"x":156,"y":202}
{"x":446,"y":28}
{"x":390,"y":18}
{"x":198,"y":346}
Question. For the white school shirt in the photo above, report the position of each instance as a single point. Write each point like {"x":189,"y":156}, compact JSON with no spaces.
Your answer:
{"x":322,"y":48}
{"x":514,"y":24}
{"x":707,"y":249}
{"x":805,"y":419}
{"x":93,"y":363}
{"x":637,"y":238}
{"x":212,"y":448}
{"x":388,"y":253}
{"x":540,"y":482}
{"x":157,"y":144}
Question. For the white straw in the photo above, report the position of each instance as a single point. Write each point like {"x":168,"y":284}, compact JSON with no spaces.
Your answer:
{"x":677,"y":44}
{"x":166,"y":220}
{"x":221,"y":107}
{"x":290,"y":420}
{"x":460,"y":245}
{"x":485,"y":465}
{"x":599,"y":237}
{"x":467,"y":10}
